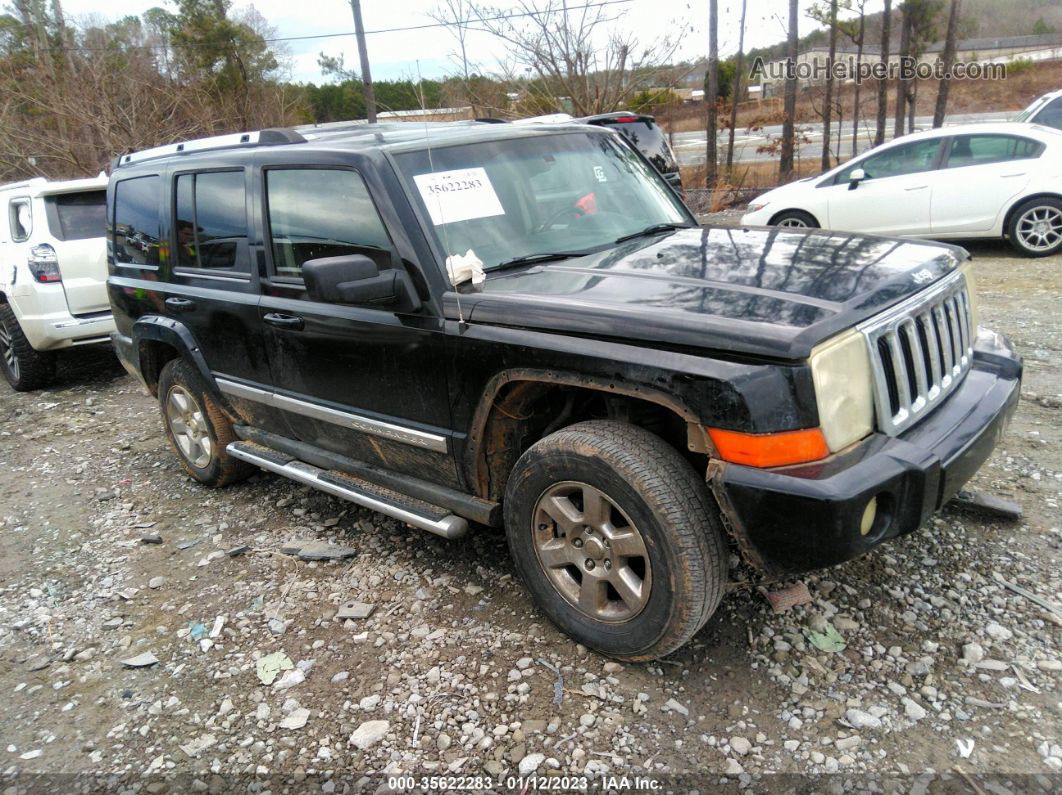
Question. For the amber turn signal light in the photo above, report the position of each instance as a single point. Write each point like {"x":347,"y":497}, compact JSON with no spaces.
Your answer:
{"x":770,"y":449}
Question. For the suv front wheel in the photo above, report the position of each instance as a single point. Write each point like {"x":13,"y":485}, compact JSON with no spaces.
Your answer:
{"x":617,"y":538}
{"x":24,"y":368}
{"x":197,"y":428}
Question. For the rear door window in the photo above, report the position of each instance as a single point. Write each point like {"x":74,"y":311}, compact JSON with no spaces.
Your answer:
{"x":211,"y":221}
{"x":980,"y":150}
{"x":77,"y":216}
{"x":137,"y":225}
{"x":316,"y":213}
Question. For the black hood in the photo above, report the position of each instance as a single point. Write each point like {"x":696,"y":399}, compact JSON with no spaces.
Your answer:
{"x":765,"y":291}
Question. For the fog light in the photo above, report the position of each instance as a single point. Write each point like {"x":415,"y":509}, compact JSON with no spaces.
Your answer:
{"x":870,"y":513}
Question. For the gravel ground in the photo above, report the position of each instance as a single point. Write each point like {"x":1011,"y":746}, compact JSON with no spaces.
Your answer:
{"x":109,"y":553}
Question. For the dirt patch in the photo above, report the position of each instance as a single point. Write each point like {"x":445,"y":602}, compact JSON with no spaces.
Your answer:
{"x":939,"y":656}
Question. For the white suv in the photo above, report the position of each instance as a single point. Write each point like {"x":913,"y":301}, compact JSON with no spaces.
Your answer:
{"x":53,"y":274}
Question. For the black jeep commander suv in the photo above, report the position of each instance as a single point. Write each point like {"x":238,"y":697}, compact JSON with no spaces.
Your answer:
{"x":523,"y":327}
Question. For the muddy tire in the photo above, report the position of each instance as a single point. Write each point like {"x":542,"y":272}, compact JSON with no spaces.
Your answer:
{"x":197,"y":429}
{"x":24,"y":368}
{"x":617,"y":538}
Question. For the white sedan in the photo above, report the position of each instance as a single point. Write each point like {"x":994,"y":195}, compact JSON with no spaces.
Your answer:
{"x":972,"y":181}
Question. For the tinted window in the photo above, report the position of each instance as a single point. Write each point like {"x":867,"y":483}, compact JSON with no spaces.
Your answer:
{"x":211,"y":221}
{"x":979,"y":150}
{"x":650,"y":141}
{"x":20,"y":216}
{"x":137,"y":222}
{"x":79,"y":216}
{"x":895,"y":161}
{"x":317,"y":213}
{"x":184,"y":226}
{"x":1051,"y":116}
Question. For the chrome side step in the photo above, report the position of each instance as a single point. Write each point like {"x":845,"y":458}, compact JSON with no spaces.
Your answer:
{"x":447,"y":526}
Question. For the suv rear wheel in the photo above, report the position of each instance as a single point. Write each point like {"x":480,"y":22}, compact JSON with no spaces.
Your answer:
{"x":197,"y":428}
{"x":617,"y":538}
{"x":24,"y":368}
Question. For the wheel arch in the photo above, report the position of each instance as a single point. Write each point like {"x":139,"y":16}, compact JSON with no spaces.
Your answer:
{"x":158,"y":340}
{"x":811,"y":215}
{"x":519,"y":407}
{"x":1013,"y":208}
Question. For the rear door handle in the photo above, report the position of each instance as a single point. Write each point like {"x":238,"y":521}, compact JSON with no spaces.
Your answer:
{"x":292,"y":322}
{"x":180,"y":304}
{"x":1019,"y":174}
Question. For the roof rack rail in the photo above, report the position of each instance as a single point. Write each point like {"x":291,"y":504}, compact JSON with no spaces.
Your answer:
{"x":268,"y":137}
{"x":25,"y":183}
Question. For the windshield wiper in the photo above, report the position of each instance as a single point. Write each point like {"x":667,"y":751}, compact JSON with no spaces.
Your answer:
{"x":543,"y":256}
{"x":652,"y":230}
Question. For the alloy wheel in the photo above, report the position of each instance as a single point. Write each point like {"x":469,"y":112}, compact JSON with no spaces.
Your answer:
{"x":592,"y":553}
{"x":796,"y":223}
{"x":7,"y":350}
{"x":189,"y":427}
{"x":1040,"y":228}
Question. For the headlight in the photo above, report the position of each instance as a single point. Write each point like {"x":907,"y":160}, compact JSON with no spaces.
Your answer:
{"x":840,"y":368}
{"x":755,"y":207}
{"x":971,"y":291}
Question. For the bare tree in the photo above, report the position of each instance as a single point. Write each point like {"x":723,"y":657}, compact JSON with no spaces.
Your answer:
{"x":576,"y":54}
{"x":855,"y":31}
{"x":883,"y":84}
{"x":735,"y":93}
{"x":711,"y":97}
{"x":827,"y":15}
{"x":455,"y":15}
{"x":948,"y":58}
{"x":902,"y":89}
{"x":785,"y":161}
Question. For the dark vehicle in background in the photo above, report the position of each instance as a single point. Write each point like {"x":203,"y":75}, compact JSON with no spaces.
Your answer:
{"x":523,"y":327}
{"x":642,"y":130}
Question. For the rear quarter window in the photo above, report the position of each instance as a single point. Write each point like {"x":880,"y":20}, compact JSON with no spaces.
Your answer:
{"x":136,"y":234}
{"x":77,"y":216}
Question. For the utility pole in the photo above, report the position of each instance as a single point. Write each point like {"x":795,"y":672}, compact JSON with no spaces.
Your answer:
{"x":363,"y":53}
{"x":735,"y":93}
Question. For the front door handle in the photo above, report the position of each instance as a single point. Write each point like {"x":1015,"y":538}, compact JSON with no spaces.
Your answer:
{"x":291,"y":322}
{"x":1018,"y":174}
{"x":917,"y":187}
{"x":180,"y":304}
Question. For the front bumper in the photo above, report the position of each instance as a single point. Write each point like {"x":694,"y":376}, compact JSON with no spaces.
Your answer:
{"x":805,"y":517}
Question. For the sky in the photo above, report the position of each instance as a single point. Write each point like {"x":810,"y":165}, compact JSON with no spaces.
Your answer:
{"x":400,"y":55}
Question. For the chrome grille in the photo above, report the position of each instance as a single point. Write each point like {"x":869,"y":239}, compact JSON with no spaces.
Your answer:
{"x":919,"y":351}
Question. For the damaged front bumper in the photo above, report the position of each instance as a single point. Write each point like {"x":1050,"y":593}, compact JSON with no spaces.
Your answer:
{"x":796,"y":519}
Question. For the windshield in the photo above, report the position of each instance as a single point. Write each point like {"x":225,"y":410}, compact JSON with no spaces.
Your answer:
{"x":522,"y":197}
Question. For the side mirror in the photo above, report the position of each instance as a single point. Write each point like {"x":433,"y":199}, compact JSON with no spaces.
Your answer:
{"x":857,"y":176}
{"x":355,"y":279}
